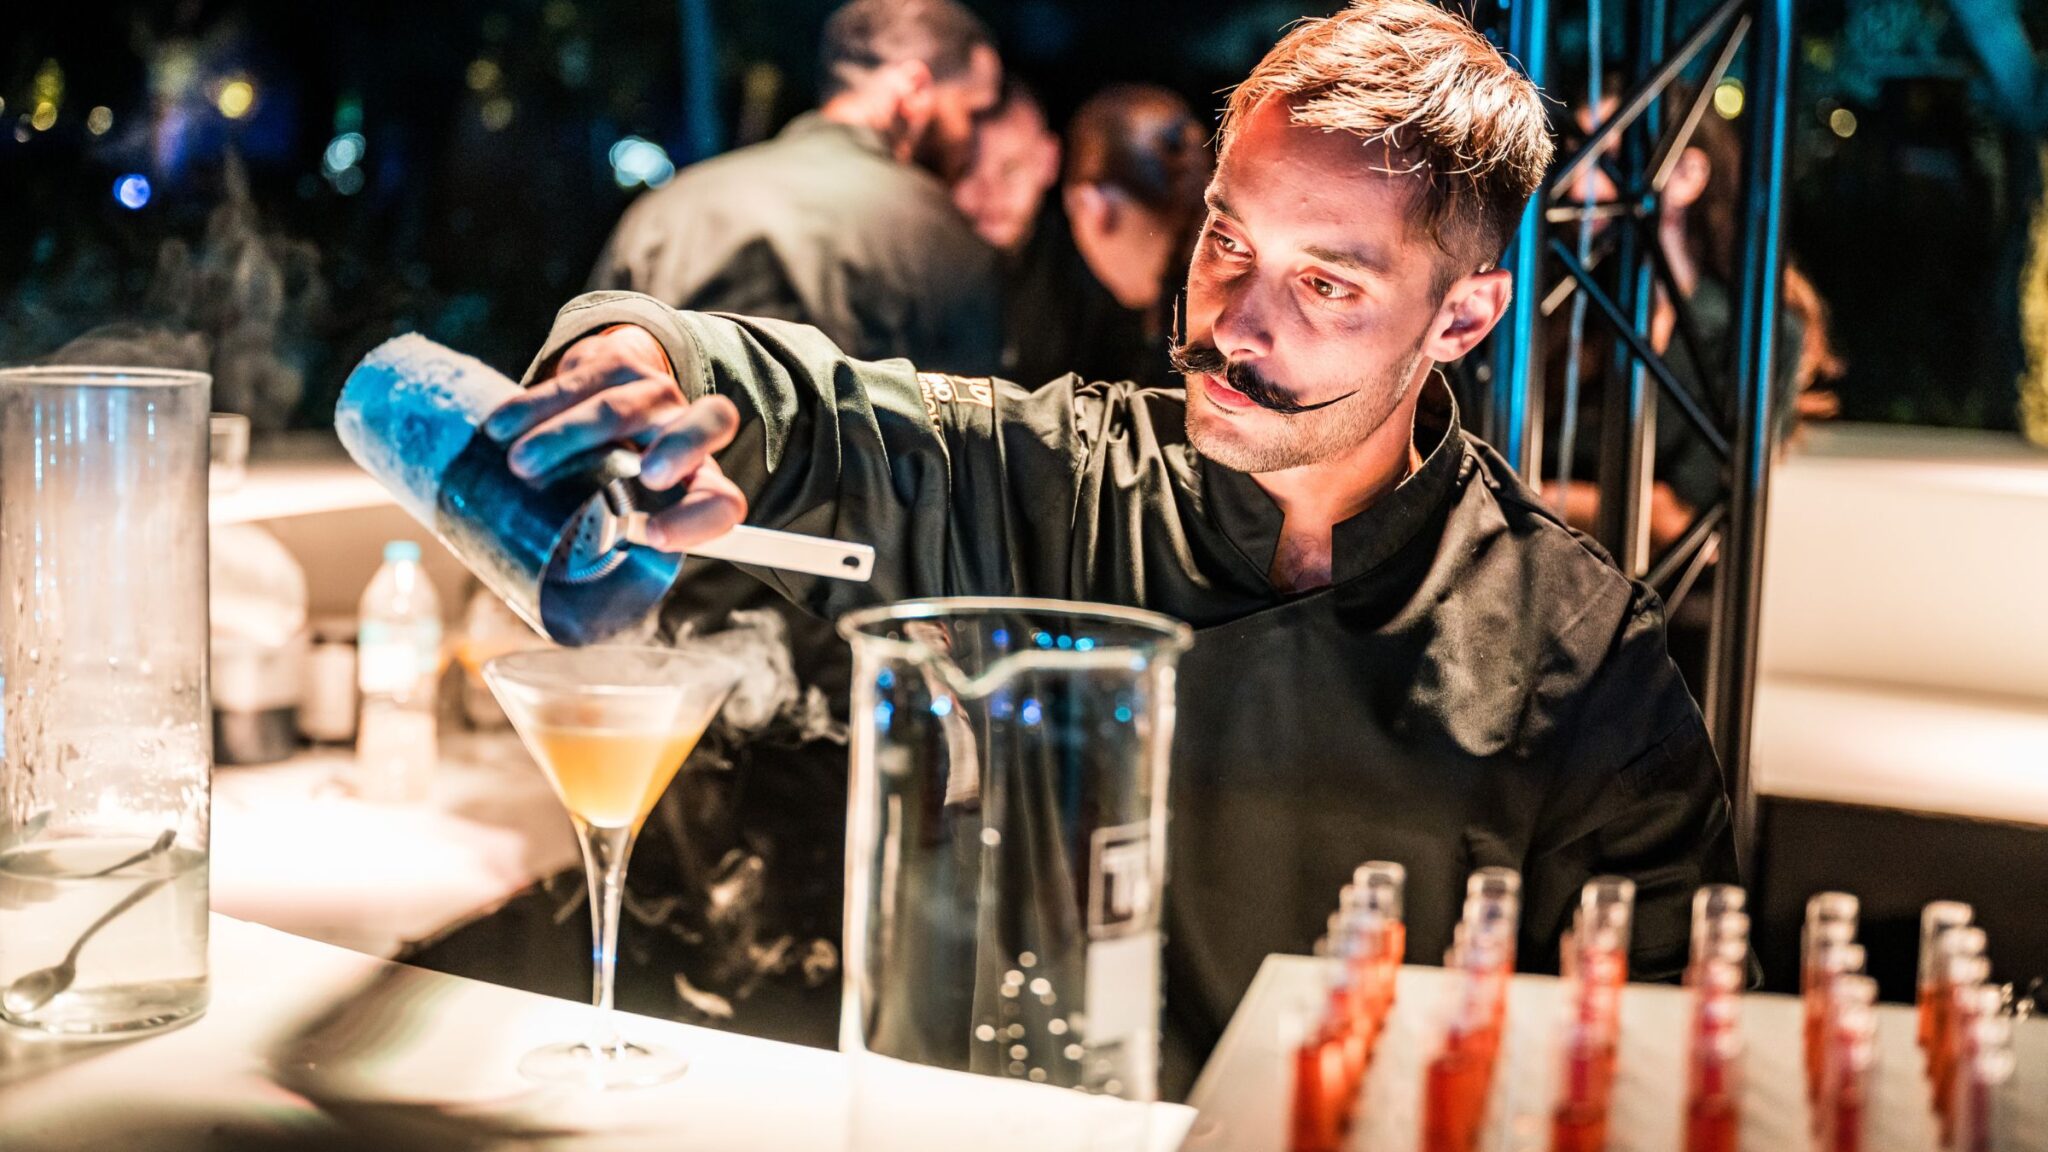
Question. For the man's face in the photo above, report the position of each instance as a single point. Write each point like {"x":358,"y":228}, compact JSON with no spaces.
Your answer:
{"x":1015,"y":161}
{"x":946,"y":146}
{"x":1309,"y":290}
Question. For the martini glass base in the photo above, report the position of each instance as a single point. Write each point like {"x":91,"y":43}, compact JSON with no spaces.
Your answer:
{"x":604,"y":1069}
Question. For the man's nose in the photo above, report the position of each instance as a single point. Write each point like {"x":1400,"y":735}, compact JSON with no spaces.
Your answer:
{"x":1242,"y":328}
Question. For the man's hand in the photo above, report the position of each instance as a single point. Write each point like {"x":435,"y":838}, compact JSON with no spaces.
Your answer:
{"x":617,"y":388}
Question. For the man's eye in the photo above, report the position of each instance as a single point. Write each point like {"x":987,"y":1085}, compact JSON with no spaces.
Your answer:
{"x":1226,"y":244}
{"x":1328,"y":289}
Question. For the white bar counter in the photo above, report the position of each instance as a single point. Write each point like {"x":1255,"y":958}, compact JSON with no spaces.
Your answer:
{"x":311,"y":1046}
{"x":294,"y":850}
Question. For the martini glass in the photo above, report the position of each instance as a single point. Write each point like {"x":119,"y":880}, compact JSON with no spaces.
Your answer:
{"x":609,"y":727}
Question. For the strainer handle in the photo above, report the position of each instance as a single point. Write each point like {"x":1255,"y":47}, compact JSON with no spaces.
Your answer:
{"x":768,"y":548}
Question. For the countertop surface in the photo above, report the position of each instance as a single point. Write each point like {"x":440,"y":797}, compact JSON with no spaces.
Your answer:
{"x":294,"y":849}
{"x":311,"y":1046}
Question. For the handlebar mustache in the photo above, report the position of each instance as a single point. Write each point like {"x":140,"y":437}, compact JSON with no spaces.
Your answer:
{"x":1204,"y":359}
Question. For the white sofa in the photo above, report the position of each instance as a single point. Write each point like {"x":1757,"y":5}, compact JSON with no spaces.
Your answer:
{"x":1903,"y":660}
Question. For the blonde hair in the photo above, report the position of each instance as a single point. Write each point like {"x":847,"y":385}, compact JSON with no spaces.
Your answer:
{"x":1444,"y":102}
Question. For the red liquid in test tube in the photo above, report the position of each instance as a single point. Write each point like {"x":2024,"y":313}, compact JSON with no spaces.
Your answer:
{"x":1975,"y":1024}
{"x":1832,"y":961}
{"x":1978,"y":1121}
{"x":1595,"y":962}
{"x":1459,"y":1078}
{"x":1331,"y":1065}
{"x":1936,"y":919}
{"x":1830,"y":922}
{"x":1841,"y":1111}
{"x":1963,"y":942}
{"x":1454,"y":1106}
{"x":1720,"y":952}
{"x":1963,"y":970}
{"x":1318,"y":1115}
{"x":1712,"y":1125}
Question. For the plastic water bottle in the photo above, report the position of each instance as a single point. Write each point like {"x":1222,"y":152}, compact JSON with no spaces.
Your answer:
{"x":398,"y":666}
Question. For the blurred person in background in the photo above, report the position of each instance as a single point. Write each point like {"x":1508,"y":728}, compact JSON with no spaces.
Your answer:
{"x":1137,"y":162}
{"x":1697,"y":234}
{"x":1086,"y":271}
{"x":843,"y":220}
{"x":1016,"y":162}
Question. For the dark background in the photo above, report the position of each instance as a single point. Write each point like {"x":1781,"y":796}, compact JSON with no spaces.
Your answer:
{"x":485,"y":187}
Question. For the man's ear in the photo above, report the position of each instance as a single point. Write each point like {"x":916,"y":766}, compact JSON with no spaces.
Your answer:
{"x":911,"y":90}
{"x":1471,"y":308}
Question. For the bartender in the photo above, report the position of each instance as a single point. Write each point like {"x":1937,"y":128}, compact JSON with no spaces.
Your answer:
{"x":1401,"y":653}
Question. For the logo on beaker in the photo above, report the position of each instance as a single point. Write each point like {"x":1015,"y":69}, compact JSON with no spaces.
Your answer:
{"x":1119,"y":879}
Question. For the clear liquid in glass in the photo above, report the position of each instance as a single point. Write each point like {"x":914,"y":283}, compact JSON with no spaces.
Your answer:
{"x":146,"y":967}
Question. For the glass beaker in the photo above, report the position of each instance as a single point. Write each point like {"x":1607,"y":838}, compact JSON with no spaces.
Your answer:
{"x":103,"y":697}
{"x":1007,"y":838}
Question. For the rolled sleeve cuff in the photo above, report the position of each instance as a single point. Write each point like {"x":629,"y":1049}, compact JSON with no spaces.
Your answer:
{"x":594,"y":312}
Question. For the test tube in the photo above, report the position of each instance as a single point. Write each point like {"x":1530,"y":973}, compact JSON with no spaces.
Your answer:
{"x":1959,"y":962}
{"x":1831,"y":960}
{"x":1972,"y":1003}
{"x":1351,"y":935}
{"x":1330,"y":1061}
{"x":1595,"y":961}
{"x":1979,"y":1123}
{"x":1840,"y":1117}
{"x":1460,"y":1075}
{"x":1383,"y":883}
{"x":1380,"y":886}
{"x":1709,"y":905}
{"x":1829,"y":915}
{"x":1714,"y":899}
{"x":1607,"y":904}
{"x":1714,"y":1082}
{"x":1935,"y":919}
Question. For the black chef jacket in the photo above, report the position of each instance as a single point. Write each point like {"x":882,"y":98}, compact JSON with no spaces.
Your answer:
{"x":1478,"y":685}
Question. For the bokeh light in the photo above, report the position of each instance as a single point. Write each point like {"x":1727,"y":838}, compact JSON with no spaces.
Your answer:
{"x":236,"y":99}
{"x":1728,"y":98}
{"x":637,"y":162}
{"x":132,"y":190}
{"x":343,"y":152}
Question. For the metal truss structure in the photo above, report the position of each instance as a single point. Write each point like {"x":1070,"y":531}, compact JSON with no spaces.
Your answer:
{"x":1620,"y":280}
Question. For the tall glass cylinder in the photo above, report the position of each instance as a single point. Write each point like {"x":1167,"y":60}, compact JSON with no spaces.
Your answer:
{"x":1007,"y":839}
{"x":104,"y":787}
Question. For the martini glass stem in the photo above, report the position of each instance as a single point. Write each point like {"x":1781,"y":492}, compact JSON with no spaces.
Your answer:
{"x":604,"y":867}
